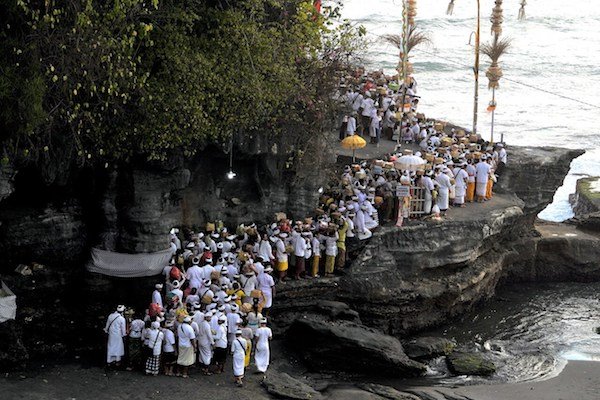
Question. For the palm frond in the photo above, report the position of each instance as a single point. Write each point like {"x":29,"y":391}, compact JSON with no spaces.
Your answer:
{"x":394,"y":40}
{"x":496,"y":49}
{"x":416,"y":38}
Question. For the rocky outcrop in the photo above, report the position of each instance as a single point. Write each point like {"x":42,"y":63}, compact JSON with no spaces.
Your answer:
{"x":421,"y":275}
{"x":348,"y":346}
{"x":561,"y":252}
{"x":283,"y":386}
{"x":386,"y":392}
{"x":426,"y":348}
{"x":586,"y":199}
{"x":29,"y":234}
{"x":409,"y":279}
{"x":461,"y":363}
{"x":587,"y":222}
{"x":534,"y":174}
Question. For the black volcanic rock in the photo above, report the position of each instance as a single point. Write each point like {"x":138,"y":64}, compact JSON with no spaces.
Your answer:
{"x":13,"y":354}
{"x":425,"y":348}
{"x":283,"y":386}
{"x":351,"y":347}
{"x":461,"y":363}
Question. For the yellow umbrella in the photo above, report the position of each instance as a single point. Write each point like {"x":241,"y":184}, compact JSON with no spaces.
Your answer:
{"x":354,"y":142}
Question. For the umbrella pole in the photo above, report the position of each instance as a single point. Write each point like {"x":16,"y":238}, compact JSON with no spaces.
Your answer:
{"x":353,"y":157}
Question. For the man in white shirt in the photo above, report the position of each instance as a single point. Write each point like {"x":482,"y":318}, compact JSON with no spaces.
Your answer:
{"x":367,"y":107}
{"x":351,"y":126}
{"x":299,"y":253}
{"x":156,"y":295}
{"x":134,"y":345}
{"x":482,"y":174}
{"x":195,"y":274}
{"x":502,"y":159}
{"x":187,"y":346}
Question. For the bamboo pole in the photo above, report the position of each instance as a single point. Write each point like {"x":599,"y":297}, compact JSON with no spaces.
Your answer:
{"x":493,"y":112}
{"x":476,"y":69}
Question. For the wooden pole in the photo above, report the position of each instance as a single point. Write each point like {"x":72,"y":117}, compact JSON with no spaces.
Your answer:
{"x":493,"y":112}
{"x":476,"y":70}
{"x":405,"y":30}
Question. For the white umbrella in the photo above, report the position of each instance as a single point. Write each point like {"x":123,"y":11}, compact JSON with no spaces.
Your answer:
{"x":410,"y":163}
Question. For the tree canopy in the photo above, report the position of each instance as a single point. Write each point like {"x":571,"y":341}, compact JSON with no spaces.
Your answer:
{"x":103,"y":81}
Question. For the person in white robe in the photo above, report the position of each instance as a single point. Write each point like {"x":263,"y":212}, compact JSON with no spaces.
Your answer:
{"x":351,"y":126}
{"x":444,"y":184}
{"x":238,"y":352}
{"x":116,"y":329}
{"x":156,"y":295}
{"x":482,"y":173}
{"x":263,"y":354}
{"x":265,"y":250}
{"x":428,"y":188}
{"x":461,"y":178}
{"x":206,"y":342}
{"x":234,"y":321}
{"x":266,"y":284}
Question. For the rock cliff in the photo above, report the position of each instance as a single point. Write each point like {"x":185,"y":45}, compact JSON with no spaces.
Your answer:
{"x":423,"y":274}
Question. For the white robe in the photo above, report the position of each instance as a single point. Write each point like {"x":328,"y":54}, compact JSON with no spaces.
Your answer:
{"x":428,"y":186}
{"x":262,"y":354}
{"x":205,"y":342}
{"x":443,"y":192}
{"x":157,"y":298}
{"x":461,"y":178}
{"x":116,"y":329}
{"x":238,"y":348}
{"x":482,"y":172}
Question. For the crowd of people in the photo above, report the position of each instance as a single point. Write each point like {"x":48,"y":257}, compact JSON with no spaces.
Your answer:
{"x":220,"y":284}
{"x":448,"y":166}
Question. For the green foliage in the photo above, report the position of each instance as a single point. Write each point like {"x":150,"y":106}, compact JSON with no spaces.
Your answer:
{"x":118,"y":79}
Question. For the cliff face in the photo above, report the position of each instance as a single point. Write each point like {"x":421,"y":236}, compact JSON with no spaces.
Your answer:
{"x":133,"y":207}
{"x":423,"y":274}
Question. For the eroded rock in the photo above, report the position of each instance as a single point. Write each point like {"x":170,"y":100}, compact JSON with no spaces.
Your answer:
{"x":348,"y":346}
{"x":283,"y":386}
{"x":425,"y":348}
{"x":463,"y":363}
{"x":387,"y":392}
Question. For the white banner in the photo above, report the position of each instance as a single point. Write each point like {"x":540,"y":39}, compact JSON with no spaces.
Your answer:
{"x":128,"y":265}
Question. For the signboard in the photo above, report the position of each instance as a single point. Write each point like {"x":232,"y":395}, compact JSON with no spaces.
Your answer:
{"x":402,"y":191}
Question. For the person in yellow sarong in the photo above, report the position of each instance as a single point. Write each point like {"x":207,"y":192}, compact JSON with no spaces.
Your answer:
{"x":341,"y":243}
{"x":490,"y":183}
{"x":281,"y":256}
{"x":471,"y":181}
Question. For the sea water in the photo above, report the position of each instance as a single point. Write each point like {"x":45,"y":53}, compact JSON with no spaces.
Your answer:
{"x":554,"y":58}
{"x":530,"y":331}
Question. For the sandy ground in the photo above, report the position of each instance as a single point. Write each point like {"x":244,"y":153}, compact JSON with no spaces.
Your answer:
{"x":579,"y":381}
